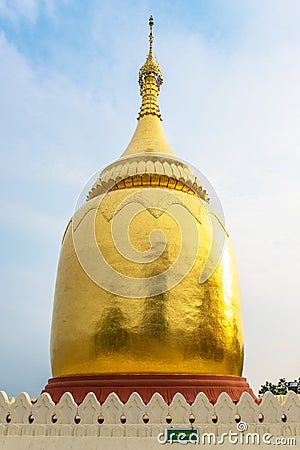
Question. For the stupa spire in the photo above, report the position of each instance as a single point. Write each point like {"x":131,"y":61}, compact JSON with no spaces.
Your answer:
{"x":151,"y":23}
{"x":149,"y":135}
{"x":150,"y":80}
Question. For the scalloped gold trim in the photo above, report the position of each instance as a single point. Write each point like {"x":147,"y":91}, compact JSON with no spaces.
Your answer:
{"x":153,"y":180}
{"x":154,"y":172}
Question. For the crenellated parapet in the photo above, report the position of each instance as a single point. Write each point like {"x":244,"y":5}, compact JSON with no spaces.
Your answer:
{"x":24,"y":417}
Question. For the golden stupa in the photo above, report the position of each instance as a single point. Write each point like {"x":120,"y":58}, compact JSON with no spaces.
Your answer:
{"x":129,"y":295}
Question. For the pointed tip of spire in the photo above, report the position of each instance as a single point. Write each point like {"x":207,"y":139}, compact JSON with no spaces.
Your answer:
{"x":150,"y":75}
{"x":151,"y":23}
{"x":150,"y":65}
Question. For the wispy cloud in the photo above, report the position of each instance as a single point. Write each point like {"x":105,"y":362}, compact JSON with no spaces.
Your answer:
{"x":19,"y":9}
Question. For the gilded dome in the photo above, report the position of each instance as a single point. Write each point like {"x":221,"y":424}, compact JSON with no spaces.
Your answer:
{"x":147,"y":280}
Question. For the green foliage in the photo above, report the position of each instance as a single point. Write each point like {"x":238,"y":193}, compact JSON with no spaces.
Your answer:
{"x":281,"y":388}
{"x":268,"y":386}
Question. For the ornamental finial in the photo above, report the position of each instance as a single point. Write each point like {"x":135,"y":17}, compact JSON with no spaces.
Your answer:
{"x":151,"y":23}
{"x":150,"y":80}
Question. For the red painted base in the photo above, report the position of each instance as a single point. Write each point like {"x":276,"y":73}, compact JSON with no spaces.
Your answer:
{"x":146,"y":385}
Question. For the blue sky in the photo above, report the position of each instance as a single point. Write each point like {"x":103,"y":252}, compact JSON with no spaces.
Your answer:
{"x":68,"y":106}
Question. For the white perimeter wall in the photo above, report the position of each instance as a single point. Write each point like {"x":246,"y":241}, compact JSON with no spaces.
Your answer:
{"x":66,"y":425}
